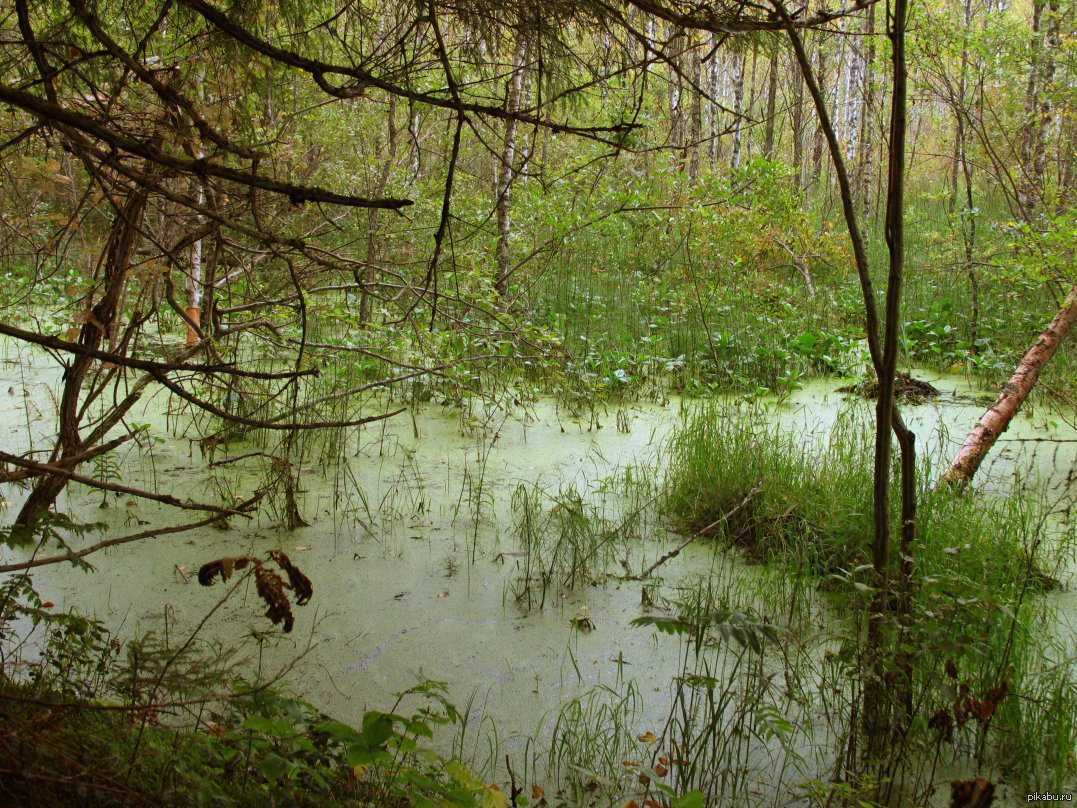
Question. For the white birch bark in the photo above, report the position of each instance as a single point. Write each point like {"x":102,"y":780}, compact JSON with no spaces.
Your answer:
{"x":506,"y":169}
{"x":738,"y":104}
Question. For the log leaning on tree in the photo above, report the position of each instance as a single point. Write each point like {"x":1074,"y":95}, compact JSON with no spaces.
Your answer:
{"x":997,"y":418}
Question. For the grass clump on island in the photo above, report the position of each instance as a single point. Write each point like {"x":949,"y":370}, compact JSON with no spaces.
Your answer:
{"x":813,"y":505}
{"x":981,"y":565}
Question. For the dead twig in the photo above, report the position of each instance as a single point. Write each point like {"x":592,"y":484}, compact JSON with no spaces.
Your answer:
{"x":676,"y":551}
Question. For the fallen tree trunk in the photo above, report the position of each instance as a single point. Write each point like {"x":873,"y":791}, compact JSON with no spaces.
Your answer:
{"x":995,"y":421}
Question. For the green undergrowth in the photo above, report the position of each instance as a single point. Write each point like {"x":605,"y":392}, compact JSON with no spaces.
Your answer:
{"x":93,"y":721}
{"x":993,"y":690}
{"x":813,"y":506}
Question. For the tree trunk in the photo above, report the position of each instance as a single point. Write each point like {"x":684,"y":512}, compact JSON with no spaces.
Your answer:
{"x":98,"y":323}
{"x":750,"y":106}
{"x":695,"y":113}
{"x":881,"y":725}
{"x":677,"y":117}
{"x":192,"y":303}
{"x":968,"y":228}
{"x":1045,"y":18}
{"x":995,"y":421}
{"x":370,"y":273}
{"x":415,"y":158}
{"x":820,"y":139}
{"x":1067,"y":181}
{"x":506,"y":170}
{"x":714,"y":90}
{"x":865,"y":152}
{"x":772,"y":100}
{"x":738,"y":103}
{"x":798,"y":126}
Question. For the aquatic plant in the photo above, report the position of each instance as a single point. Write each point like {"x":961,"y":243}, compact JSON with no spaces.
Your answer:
{"x":979,"y":564}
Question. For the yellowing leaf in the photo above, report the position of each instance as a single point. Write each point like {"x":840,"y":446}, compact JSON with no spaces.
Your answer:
{"x":460,"y":775}
{"x":494,"y":797}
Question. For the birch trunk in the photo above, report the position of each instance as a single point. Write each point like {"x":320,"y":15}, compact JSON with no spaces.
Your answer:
{"x":738,"y":104}
{"x":854,"y":99}
{"x":866,"y":155}
{"x":797,"y":113}
{"x":820,"y":137}
{"x":695,"y":122}
{"x":996,"y":420}
{"x":714,"y":90}
{"x":192,"y":303}
{"x":370,"y":273}
{"x":772,"y":102}
{"x":1038,"y":110}
{"x":676,"y":93}
{"x":506,"y":170}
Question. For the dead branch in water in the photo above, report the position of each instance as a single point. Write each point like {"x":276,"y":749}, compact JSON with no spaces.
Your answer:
{"x":676,"y":551}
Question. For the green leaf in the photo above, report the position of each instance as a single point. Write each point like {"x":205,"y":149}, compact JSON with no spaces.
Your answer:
{"x":341,"y":732}
{"x":359,"y":755}
{"x":274,"y":767}
{"x":273,"y":727}
{"x":377,"y":728}
{"x":666,"y":624}
{"x":692,"y":799}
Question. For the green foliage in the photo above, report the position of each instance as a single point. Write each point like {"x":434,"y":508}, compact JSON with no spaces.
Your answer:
{"x":977,"y":563}
{"x":94,"y":729}
{"x":729,"y":626}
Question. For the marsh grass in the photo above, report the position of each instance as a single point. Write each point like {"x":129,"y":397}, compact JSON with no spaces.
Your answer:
{"x":592,"y":738}
{"x":982,"y":565}
{"x":814,"y":505}
{"x":661,"y":305}
{"x":566,"y":541}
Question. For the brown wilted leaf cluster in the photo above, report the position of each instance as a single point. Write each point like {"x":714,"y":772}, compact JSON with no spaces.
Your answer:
{"x":299,"y":583}
{"x":977,"y":793}
{"x":270,"y":586}
{"x":966,"y":706}
{"x":223,"y":567}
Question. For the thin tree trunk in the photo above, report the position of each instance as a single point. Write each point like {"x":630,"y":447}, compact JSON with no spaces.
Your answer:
{"x":738,"y":104}
{"x":1037,"y":106}
{"x":854,"y":100}
{"x":772,"y":100}
{"x":996,"y":420}
{"x":506,"y":170}
{"x":820,"y":139}
{"x":99,"y":321}
{"x":884,"y":360}
{"x":695,"y":114}
{"x":798,"y":126}
{"x":193,"y":285}
{"x":1067,"y":182}
{"x":866,"y":152}
{"x":192,"y":304}
{"x":750,"y":107}
{"x":370,"y":274}
{"x":415,"y":160}
{"x":968,"y":227}
{"x":676,"y":93}
{"x":714,"y":90}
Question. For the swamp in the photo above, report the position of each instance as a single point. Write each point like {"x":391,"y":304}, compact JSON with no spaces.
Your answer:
{"x":636,"y":404}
